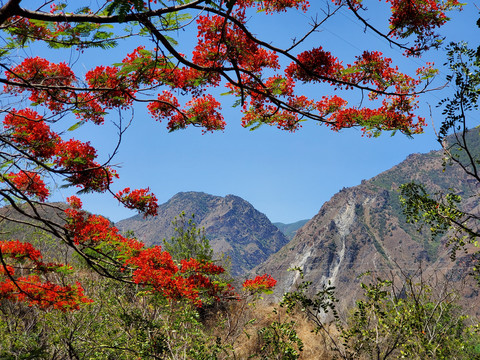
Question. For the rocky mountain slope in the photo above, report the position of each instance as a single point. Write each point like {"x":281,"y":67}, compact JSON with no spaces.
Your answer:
{"x":232,"y":225}
{"x":363,"y":229}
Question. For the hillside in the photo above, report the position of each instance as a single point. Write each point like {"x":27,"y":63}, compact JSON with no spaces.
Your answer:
{"x":363,"y":229}
{"x":232,"y":225}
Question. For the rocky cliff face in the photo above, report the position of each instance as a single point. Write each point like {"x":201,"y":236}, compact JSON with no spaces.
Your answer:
{"x":232,"y":225}
{"x":363,"y":229}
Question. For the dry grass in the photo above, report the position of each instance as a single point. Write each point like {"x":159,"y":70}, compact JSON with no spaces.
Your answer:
{"x":238,"y":324}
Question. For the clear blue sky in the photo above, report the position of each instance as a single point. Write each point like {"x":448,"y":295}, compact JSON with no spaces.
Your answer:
{"x":287,"y":176}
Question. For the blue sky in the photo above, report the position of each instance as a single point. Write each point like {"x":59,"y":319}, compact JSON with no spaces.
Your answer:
{"x":287,"y":176}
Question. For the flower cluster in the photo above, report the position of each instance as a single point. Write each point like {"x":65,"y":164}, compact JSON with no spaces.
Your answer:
{"x":389,"y":116}
{"x":270,"y":6}
{"x":30,"y":183}
{"x":261,"y":109}
{"x":200,"y":111}
{"x":369,"y":69}
{"x":76,"y":158}
{"x":89,"y":229}
{"x":19,"y":251}
{"x":116,"y":92}
{"x":31,"y":288}
{"x":23,"y":29}
{"x":73,"y":158}
{"x":22,"y":252}
{"x":45,"y":295}
{"x":156,"y":269}
{"x":47,"y":82}
{"x":88,"y":108}
{"x":139,"y":199}
{"x":143,"y":67}
{"x":314,"y":65}
{"x":373,"y":68}
{"x":221,"y":44}
{"x":166,"y":106}
{"x":264,"y":283}
{"x":204,"y":111}
{"x":419,"y":18}
{"x":29,"y":130}
{"x":196,"y":266}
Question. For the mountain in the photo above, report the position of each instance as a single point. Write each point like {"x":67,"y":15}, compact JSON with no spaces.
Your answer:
{"x":289,"y":230}
{"x":363,"y":229}
{"x":232,"y":225}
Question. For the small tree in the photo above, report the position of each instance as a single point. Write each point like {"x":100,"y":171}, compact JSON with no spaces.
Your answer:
{"x":188,"y":241}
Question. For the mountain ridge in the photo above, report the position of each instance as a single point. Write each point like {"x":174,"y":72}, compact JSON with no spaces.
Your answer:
{"x":233,"y":226}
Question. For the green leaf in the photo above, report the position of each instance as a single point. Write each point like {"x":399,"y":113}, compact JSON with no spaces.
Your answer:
{"x":75,"y":126}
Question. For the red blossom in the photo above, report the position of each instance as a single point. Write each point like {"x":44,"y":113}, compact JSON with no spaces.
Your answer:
{"x":206,"y":267}
{"x":28,"y":129}
{"x":77,"y":159}
{"x":74,"y":202}
{"x":74,"y":158}
{"x":113,"y":88}
{"x":31,"y":289}
{"x":221,"y":43}
{"x":264,"y":283}
{"x":271,"y":6}
{"x":156,"y":269}
{"x":419,"y":18}
{"x":30,"y":183}
{"x":151,"y":267}
{"x":46,"y":81}
{"x":139,"y":199}
{"x":165,"y":107}
{"x":329,"y":105}
{"x":18,"y":250}
{"x":24,"y":29}
{"x":45,"y":295}
{"x":203,"y":111}
{"x":314,"y":65}
{"x":89,"y":109}
{"x":87,"y":229}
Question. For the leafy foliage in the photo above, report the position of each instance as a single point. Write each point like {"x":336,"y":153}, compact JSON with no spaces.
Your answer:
{"x":446,"y":212}
{"x":398,"y":318}
{"x":408,"y":322}
{"x":280,"y":341}
{"x":189,"y":242}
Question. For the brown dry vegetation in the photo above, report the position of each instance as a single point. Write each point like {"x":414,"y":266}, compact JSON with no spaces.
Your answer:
{"x":241,"y":322}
